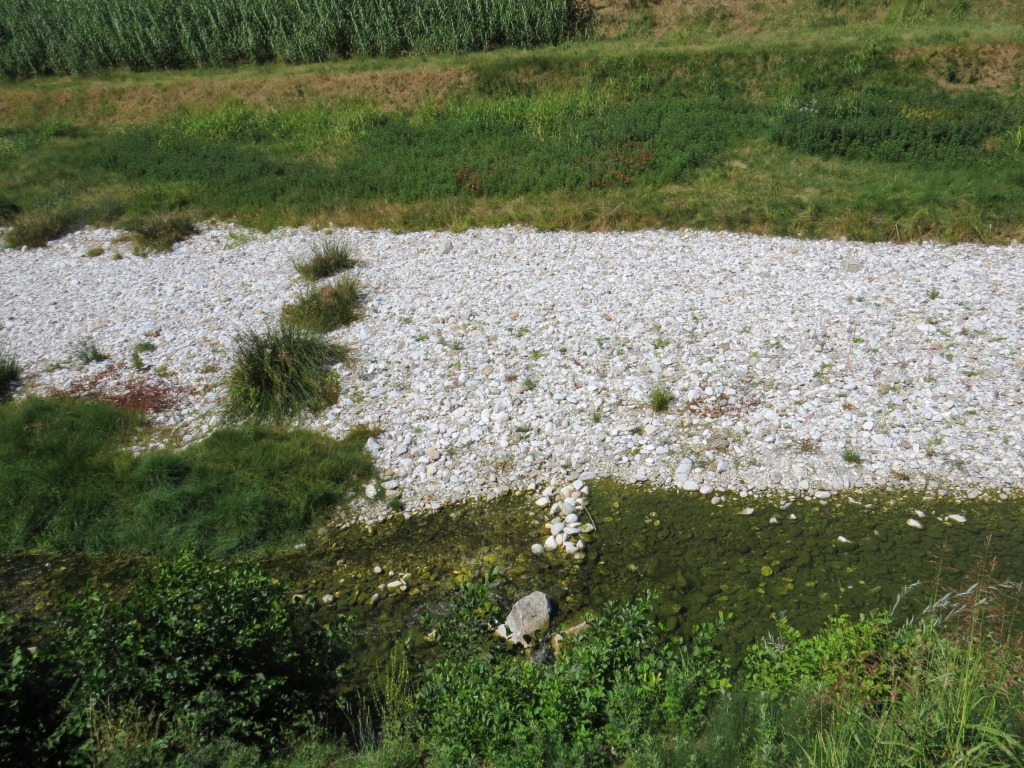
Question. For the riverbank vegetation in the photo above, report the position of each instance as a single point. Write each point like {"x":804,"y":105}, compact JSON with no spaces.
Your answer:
{"x":208,"y":664}
{"x":873,"y":120}
{"x":68,"y":483}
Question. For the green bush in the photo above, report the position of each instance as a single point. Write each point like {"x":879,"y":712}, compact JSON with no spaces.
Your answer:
{"x":278,"y":374}
{"x":199,"y":652}
{"x":325,"y":308}
{"x":36,"y":228}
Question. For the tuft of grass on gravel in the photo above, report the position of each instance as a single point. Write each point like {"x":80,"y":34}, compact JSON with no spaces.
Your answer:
{"x":87,"y":352}
{"x":68,"y":483}
{"x":10,"y":371}
{"x":660,"y":399}
{"x":328,"y":259}
{"x":325,"y":308}
{"x":35,"y":228}
{"x":280,"y":373}
{"x":160,"y":231}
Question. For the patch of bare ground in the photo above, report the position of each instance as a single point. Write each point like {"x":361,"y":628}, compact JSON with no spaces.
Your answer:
{"x":993,"y":66}
{"x":142,"y":393}
{"x":145,"y":100}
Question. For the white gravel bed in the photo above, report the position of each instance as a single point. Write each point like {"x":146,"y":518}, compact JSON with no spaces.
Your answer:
{"x":498,"y":359}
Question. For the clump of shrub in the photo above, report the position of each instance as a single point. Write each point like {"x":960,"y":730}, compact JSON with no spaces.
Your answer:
{"x":325,"y":308}
{"x":200,"y":652}
{"x":160,"y":231}
{"x":278,"y":374}
{"x":328,"y":259}
{"x":8,"y":210}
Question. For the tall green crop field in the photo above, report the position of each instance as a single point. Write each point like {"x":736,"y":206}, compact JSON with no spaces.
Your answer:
{"x":39,"y":37}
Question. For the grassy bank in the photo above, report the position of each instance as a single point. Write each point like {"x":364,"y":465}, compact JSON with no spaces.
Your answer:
{"x":69,"y":484}
{"x":853,"y":119}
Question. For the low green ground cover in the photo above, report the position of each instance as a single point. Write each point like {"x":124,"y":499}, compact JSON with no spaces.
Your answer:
{"x":68,"y":483}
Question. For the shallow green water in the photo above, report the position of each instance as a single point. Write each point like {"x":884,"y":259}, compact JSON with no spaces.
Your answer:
{"x":702,"y":560}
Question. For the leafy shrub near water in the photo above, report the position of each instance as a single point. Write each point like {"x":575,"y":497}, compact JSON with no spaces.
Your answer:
{"x":69,"y":38}
{"x":68,"y":484}
{"x":615,"y":687}
{"x":199,"y":653}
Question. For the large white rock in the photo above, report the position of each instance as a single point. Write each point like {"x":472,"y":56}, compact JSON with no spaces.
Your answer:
{"x":529,"y":619}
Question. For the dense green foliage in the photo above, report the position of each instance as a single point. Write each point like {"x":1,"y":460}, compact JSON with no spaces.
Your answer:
{"x":281,"y":372}
{"x":198,"y":656}
{"x":67,"y":483}
{"x":205,"y":665}
{"x":617,"y":686}
{"x":43,"y":38}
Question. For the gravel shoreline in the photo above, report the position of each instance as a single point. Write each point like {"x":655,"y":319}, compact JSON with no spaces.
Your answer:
{"x":500,"y":359}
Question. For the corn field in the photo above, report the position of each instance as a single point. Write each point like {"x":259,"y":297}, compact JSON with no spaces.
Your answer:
{"x":40,"y":37}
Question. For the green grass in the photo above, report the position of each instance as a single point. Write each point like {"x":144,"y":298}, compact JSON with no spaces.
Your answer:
{"x":36,"y":228}
{"x":328,"y":259}
{"x":323,"y":309}
{"x":68,"y":484}
{"x":280,"y":373}
{"x":36,"y":38}
{"x":865,"y":120}
{"x":851,"y":456}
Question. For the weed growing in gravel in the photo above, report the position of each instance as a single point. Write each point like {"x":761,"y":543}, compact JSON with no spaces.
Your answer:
{"x":327,"y":259}
{"x":87,"y":352}
{"x":280,"y":373}
{"x":851,"y":456}
{"x":10,"y":371}
{"x":95,"y":251}
{"x":326,"y":308}
{"x":660,"y":399}
{"x":160,"y":231}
